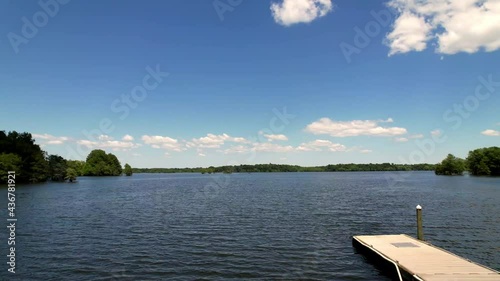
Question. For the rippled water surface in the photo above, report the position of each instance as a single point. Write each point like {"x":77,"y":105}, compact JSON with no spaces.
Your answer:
{"x":276,"y":226}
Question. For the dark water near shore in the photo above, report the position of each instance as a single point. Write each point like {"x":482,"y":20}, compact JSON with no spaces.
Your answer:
{"x":276,"y":226}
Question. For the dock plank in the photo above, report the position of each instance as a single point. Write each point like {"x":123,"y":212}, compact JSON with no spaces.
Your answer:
{"x":428,"y":262}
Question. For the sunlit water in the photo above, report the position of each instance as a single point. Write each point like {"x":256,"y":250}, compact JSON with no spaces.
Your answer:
{"x":276,"y":226}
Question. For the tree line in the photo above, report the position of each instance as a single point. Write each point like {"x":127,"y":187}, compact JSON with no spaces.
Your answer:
{"x":271,"y":168}
{"x":479,"y":162}
{"x":19,"y":153}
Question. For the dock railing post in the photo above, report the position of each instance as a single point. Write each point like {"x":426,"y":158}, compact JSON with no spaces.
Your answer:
{"x":420,"y":229}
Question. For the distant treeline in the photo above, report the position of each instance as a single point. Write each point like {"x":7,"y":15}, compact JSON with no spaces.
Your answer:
{"x":270,"y":168}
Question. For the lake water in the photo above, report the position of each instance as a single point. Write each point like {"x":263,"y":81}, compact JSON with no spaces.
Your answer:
{"x":275,"y":226}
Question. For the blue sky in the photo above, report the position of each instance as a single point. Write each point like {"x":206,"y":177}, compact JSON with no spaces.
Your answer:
{"x":308,"y":82}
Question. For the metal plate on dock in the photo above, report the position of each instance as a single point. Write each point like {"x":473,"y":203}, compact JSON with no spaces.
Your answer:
{"x":405,"y":245}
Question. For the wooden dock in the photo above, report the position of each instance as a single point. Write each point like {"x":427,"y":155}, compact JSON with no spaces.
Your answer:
{"x":412,"y":259}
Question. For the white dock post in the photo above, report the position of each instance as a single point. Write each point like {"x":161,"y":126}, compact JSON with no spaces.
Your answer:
{"x":420,"y":230}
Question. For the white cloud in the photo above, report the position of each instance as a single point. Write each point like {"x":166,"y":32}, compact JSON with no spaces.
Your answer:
{"x":163,"y":142}
{"x":87,"y":143}
{"x":317,"y":145}
{"x":401,"y":139}
{"x":55,"y":142}
{"x":290,"y":12}
{"x":436,"y":133}
{"x":50,"y":139}
{"x":410,"y":33}
{"x":105,"y":138}
{"x":333,"y":128}
{"x":106,"y":142}
{"x":491,"y":133}
{"x":201,"y":154}
{"x":456,"y":26}
{"x":128,"y":138}
{"x":365,"y":151}
{"x":271,"y":147}
{"x":119,"y":144}
{"x":214,"y":141}
{"x":321,"y":145}
{"x":237,"y":149}
{"x":273,"y":137}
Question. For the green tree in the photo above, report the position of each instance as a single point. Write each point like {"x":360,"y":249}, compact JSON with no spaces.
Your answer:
{"x":77,"y":166}
{"x":128,"y":170}
{"x":57,"y":167}
{"x":101,"y":164}
{"x":95,"y":164}
{"x":71,"y":174}
{"x":450,"y":166}
{"x":34,"y":166}
{"x":38,"y":167}
{"x":9,"y":162}
{"x":114,"y":165}
{"x":484,"y":161}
